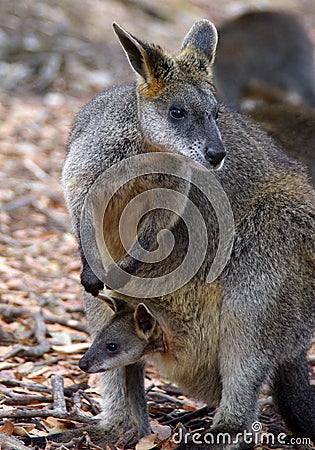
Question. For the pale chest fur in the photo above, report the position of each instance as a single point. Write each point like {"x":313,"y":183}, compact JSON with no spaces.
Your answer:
{"x":193,"y":342}
{"x":113,"y":214}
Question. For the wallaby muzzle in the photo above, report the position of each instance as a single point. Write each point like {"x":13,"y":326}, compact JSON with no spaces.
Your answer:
{"x":215,"y":156}
{"x":84,"y":364}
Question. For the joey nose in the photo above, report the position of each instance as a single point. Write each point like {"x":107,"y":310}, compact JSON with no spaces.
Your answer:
{"x":84,"y":364}
{"x":215,"y":156}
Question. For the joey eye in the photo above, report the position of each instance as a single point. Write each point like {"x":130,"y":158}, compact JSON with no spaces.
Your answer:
{"x":216,"y":114}
{"x":177,"y":113}
{"x":111,"y":347}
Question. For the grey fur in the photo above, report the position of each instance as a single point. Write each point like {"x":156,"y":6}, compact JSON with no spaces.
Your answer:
{"x":226,"y":338}
{"x":293,"y":128}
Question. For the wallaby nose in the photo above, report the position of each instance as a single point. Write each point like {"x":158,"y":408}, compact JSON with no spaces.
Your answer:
{"x":84,"y":364}
{"x":215,"y":156}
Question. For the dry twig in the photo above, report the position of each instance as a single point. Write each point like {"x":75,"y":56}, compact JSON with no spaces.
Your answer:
{"x":70,"y":323}
{"x":58,"y":394}
{"x":95,"y":408}
{"x":68,"y":391}
{"x":10,"y":312}
{"x":28,"y":413}
{"x":186,"y":417}
{"x":35,"y":351}
{"x":11,"y":443}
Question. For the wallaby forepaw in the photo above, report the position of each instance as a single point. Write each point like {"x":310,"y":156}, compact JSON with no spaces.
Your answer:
{"x":90,"y":282}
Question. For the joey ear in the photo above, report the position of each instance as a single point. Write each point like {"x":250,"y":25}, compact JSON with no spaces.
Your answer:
{"x":145,"y":322}
{"x":134,"y":49}
{"x":116,"y":304}
{"x":203,"y":37}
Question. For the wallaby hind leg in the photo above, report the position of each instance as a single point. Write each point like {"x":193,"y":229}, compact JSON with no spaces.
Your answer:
{"x":242,"y":375}
{"x":295,"y":397}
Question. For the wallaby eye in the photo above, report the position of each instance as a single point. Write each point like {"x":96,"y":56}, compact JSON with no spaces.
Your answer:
{"x":177,"y":113}
{"x":111,"y":347}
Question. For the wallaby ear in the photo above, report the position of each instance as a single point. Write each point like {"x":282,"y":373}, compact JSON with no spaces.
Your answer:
{"x":145,"y":322}
{"x":150,"y":62}
{"x":203,"y":37}
{"x":134,"y":49}
{"x":116,"y":304}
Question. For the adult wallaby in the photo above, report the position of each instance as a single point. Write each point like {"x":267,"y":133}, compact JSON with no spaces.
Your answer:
{"x":255,"y":321}
{"x":293,"y":128}
{"x":267,"y":55}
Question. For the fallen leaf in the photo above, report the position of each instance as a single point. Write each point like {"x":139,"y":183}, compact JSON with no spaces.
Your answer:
{"x":146,"y":442}
{"x":25,"y":368}
{"x":23,"y":431}
{"x":55,"y":425}
{"x":162,"y":432}
{"x":4,"y":365}
{"x":60,"y":338}
{"x":72,"y":348}
{"x":189,"y":408}
{"x":37,"y":373}
{"x":7,"y":428}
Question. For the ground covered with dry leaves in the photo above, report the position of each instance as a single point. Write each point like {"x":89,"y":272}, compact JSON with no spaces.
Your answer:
{"x":61,"y":55}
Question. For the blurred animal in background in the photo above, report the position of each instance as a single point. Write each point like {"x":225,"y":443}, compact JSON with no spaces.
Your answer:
{"x":264,"y":64}
{"x":293,"y":128}
{"x":264,"y":56}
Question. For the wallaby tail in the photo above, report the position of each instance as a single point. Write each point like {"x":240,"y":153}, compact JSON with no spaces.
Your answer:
{"x":295,"y":397}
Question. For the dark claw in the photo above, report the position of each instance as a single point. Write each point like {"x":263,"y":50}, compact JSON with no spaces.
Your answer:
{"x":90,"y":282}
